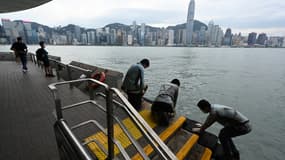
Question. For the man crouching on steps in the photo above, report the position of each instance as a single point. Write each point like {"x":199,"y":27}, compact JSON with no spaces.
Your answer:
{"x":163,"y":107}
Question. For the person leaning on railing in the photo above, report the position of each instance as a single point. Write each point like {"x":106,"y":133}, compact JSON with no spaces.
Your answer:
{"x":42,"y":55}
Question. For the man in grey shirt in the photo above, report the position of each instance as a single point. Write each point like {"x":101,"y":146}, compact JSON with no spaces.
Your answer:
{"x":133,"y":83}
{"x":235,"y":124}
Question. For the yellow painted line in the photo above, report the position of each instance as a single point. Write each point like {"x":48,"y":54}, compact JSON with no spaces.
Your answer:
{"x":163,"y":136}
{"x":182,"y":153}
{"x":207,"y":154}
{"x":119,"y":135}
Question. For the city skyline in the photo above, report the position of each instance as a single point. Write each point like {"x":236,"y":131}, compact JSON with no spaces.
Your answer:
{"x":241,"y":16}
{"x":210,"y":35}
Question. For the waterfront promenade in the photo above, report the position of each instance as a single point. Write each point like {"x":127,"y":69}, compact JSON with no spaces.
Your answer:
{"x":26,"y":118}
{"x":26,"y":112}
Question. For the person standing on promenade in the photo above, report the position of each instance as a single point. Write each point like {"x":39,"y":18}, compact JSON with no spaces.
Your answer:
{"x":133,"y":83}
{"x":235,"y":124}
{"x":42,"y":55}
{"x":163,"y":107}
{"x":20,"y":49}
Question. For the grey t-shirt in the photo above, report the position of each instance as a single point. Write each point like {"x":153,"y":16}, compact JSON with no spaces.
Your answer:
{"x":168,"y":93}
{"x":227,"y":116}
{"x":134,"y":79}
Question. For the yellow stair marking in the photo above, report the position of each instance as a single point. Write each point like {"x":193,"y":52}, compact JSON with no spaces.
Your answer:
{"x":119,"y":135}
{"x":182,"y":153}
{"x":207,"y":154}
{"x":163,"y":136}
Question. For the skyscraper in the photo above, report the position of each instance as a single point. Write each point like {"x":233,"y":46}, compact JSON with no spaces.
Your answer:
{"x":190,"y":22}
{"x":228,"y":37}
{"x":142,"y":34}
{"x":261,"y":39}
{"x":170,"y":37}
{"x":251,"y":38}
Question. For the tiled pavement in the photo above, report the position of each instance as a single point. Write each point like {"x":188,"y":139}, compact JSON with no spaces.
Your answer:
{"x":26,"y":119}
{"x":26,"y":122}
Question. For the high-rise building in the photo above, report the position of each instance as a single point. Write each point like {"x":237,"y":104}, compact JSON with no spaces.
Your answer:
{"x":228,"y":37}
{"x":275,"y":41}
{"x":130,"y":39}
{"x":9,"y":30}
{"x":202,"y":35}
{"x":251,"y":38}
{"x":83,"y":38}
{"x":77,"y":32}
{"x":237,"y":40}
{"x":142,"y":34}
{"x":261,"y":39}
{"x":219,"y":35}
{"x":91,"y":37}
{"x":210,"y":38}
{"x":170,"y":38}
{"x":134,"y":32}
{"x":190,"y":22}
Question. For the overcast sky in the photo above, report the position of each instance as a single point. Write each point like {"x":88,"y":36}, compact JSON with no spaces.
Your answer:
{"x":241,"y":15}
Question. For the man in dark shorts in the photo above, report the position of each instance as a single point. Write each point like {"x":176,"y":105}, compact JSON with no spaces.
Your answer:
{"x":235,"y":124}
{"x":163,"y":107}
{"x":133,"y":84}
{"x":21,"y":50}
{"x":42,"y":55}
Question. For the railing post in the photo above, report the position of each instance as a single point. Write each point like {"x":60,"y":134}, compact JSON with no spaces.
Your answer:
{"x":109,"y":103}
{"x":89,"y":84}
{"x":34,"y":59}
{"x":69,"y":76}
{"x":57,"y":71}
{"x":57,"y":104}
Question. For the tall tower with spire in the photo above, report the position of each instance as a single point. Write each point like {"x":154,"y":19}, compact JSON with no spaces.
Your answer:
{"x":190,"y":22}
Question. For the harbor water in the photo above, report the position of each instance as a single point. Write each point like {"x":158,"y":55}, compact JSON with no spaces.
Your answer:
{"x":251,"y":80}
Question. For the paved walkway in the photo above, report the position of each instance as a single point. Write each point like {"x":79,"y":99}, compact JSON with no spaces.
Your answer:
{"x":26,"y":121}
{"x":26,"y":118}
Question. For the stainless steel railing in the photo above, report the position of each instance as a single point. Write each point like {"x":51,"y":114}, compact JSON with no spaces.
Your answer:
{"x":58,"y":107}
{"x":153,"y":138}
{"x":146,"y":130}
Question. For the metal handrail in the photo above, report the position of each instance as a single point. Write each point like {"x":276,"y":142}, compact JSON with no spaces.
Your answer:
{"x":110,"y":122}
{"x":74,"y":141}
{"x":131,"y":138}
{"x":118,"y":144}
{"x":139,"y":126}
{"x":98,"y":143}
{"x":149,"y":130}
{"x":150,"y":135}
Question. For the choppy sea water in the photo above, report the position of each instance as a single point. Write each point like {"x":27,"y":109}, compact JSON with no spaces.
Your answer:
{"x":249,"y":79}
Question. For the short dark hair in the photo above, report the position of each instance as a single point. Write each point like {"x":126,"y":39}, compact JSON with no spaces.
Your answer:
{"x":145,"y":62}
{"x":41,"y":43}
{"x":203,"y":104}
{"x":176,"y":81}
{"x":19,"y":38}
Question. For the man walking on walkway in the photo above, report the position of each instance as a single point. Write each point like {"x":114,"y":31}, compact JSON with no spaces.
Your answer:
{"x":133,"y":83}
{"x":235,"y":124}
{"x":21,"y":50}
